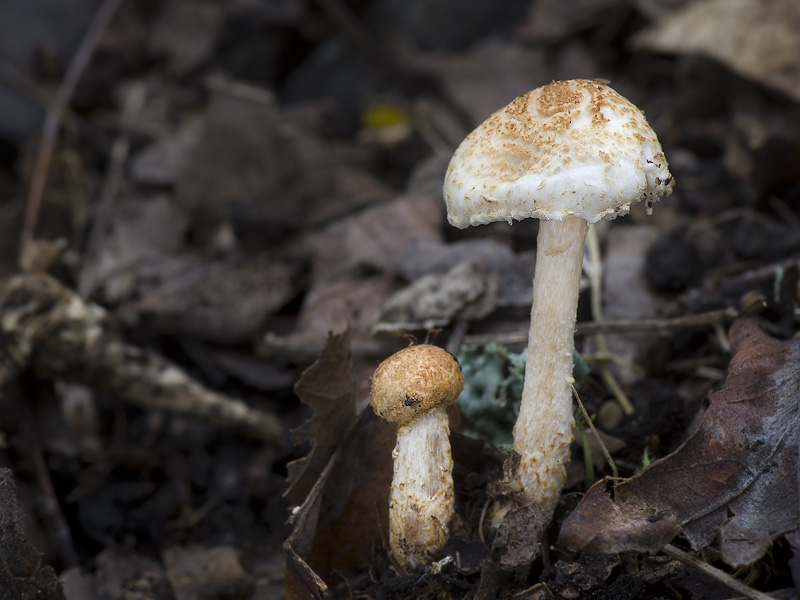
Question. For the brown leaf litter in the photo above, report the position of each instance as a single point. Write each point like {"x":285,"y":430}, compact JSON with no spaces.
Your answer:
{"x":734,"y":480}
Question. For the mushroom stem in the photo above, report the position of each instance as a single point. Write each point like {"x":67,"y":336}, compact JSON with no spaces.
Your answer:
{"x":421,"y":498}
{"x":543,"y":432}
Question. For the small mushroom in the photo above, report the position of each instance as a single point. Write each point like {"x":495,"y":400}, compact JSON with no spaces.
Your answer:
{"x":412,"y":388}
{"x":568,"y":153}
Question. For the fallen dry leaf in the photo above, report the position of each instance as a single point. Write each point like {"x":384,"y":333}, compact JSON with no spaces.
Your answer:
{"x":197,"y":300}
{"x":338,"y":525}
{"x":355,"y":500}
{"x":735,"y":479}
{"x":434,"y":257}
{"x":261,"y":169}
{"x":434,"y":301}
{"x":755,"y":38}
{"x":186,"y":33}
{"x":377,"y":237}
{"x":351,"y":189}
{"x":513,"y":270}
{"x":162,"y":162}
{"x":553,"y":20}
{"x":328,"y":304}
{"x":328,"y":387}
{"x":474,"y":83}
{"x":301,"y":580}
{"x":144,"y":229}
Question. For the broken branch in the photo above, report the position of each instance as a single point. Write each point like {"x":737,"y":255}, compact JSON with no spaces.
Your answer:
{"x":48,"y":327}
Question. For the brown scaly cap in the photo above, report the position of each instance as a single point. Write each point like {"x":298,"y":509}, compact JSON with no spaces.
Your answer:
{"x":573,"y":148}
{"x":414,"y":380}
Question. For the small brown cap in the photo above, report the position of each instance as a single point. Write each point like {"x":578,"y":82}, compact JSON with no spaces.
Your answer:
{"x":414,"y":380}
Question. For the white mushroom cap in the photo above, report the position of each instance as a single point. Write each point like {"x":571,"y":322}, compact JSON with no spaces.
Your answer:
{"x":569,"y":148}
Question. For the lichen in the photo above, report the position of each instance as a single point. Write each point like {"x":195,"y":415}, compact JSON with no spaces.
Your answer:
{"x":493,"y":381}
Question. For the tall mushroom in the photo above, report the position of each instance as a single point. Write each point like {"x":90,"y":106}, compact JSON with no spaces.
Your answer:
{"x":568,"y":153}
{"x":412,"y":388}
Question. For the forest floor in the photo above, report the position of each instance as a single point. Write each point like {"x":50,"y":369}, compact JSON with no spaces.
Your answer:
{"x":217,"y":218}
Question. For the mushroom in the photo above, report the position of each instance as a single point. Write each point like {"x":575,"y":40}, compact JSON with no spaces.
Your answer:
{"x":568,"y":153}
{"x":412,"y":388}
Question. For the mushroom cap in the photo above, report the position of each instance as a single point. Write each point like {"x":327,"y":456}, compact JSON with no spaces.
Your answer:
{"x":414,"y":380}
{"x":572,"y":148}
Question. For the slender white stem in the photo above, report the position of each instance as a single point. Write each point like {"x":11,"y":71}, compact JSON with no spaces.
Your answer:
{"x":421,"y":498}
{"x":543,"y":432}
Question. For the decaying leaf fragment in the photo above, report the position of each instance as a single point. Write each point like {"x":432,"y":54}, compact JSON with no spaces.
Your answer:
{"x":735,"y":479}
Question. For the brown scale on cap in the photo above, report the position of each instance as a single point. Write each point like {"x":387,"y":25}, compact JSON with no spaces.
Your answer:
{"x":559,"y":97}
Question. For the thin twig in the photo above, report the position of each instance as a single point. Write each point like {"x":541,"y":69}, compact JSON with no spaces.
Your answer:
{"x":606,"y":453}
{"x":239,"y":91}
{"x":55,"y":112}
{"x":631,"y":325}
{"x":341,"y":576}
{"x":52,"y":508}
{"x":482,"y":519}
{"x":108,"y":194}
{"x":617,"y":327}
{"x":715,"y":573}
{"x":457,"y":333}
